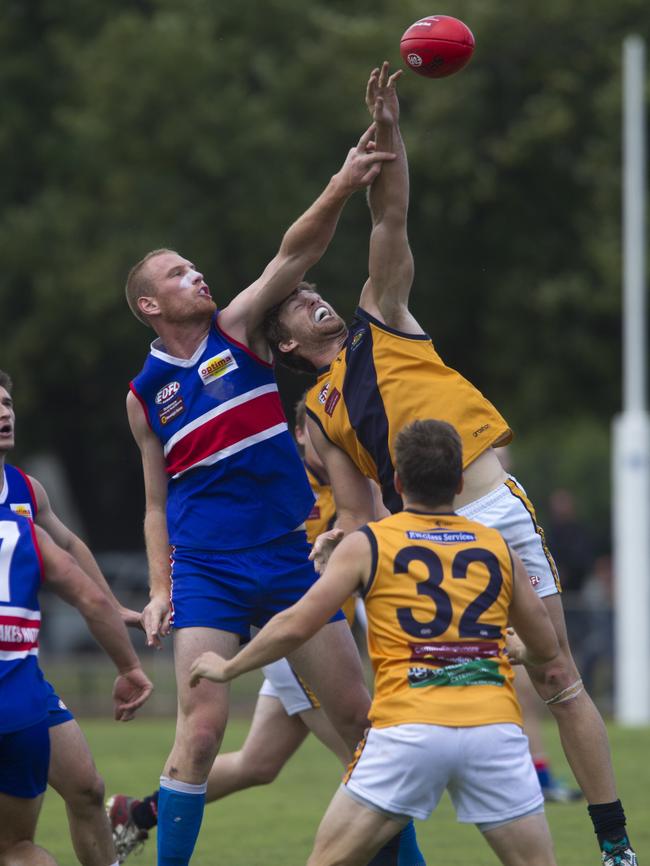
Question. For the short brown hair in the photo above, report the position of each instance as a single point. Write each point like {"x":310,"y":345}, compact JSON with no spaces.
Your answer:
{"x":5,"y":381}
{"x":138,"y":283}
{"x":429,"y":461}
{"x":275,"y":333}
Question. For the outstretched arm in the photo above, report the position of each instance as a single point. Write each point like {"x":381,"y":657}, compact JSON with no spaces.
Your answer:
{"x":390,"y":265}
{"x":353,"y":493}
{"x":132,"y":687}
{"x":347,"y":570}
{"x":156,"y":615}
{"x":302,"y":246}
{"x":531,"y":622}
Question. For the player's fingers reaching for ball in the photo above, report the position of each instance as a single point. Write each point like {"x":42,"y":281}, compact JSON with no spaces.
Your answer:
{"x":371,"y":89}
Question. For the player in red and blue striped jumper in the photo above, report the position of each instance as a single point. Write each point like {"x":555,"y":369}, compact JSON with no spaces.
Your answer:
{"x":227,"y":494}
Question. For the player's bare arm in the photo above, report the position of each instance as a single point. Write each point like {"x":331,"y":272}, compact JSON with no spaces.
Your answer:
{"x":390,"y":265}
{"x":132,"y":687}
{"x":347,"y":571}
{"x":72,"y":544}
{"x":353,"y":494}
{"x":538,"y":643}
{"x":302,"y":246}
{"x":155,"y":616}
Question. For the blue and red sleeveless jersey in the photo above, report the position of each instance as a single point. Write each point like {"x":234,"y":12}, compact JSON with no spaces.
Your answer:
{"x":23,"y":691}
{"x":235,"y":477}
{"x":17,"y":493}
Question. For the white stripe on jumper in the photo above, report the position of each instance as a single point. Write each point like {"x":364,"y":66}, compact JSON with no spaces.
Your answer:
{"x":233,"y":449}
{"x":22,"y":612}
{"x":12,"y":655}
{"x":214,"y":413}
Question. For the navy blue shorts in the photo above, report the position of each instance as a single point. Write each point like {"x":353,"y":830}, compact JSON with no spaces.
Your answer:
{"x":25,"y":760}
{"x":57,"y":712}
{"x":237,"y":589}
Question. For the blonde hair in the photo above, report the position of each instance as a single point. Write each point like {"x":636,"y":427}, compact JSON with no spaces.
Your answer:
{"x":139,"y":284}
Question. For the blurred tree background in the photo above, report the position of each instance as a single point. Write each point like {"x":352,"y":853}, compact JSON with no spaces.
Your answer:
{"x":208,"y":127}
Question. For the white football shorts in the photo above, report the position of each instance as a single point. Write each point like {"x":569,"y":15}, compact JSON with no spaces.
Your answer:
{"x":509,"y":510}
{"x":403,"y":771}
{"x":282,"y":683}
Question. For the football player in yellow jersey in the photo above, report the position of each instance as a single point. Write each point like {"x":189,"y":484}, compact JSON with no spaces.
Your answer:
{"x":440,"y":591}
{"x":285,"y":713}
{"x":383,"y":372}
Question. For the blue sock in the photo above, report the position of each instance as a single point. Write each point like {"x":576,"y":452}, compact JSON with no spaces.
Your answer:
{"x":409,"y":853}
{"x":180,"y":812}
{"x":402,"y":850}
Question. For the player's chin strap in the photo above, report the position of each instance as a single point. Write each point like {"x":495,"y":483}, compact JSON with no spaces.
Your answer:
{"x":566,"y":694}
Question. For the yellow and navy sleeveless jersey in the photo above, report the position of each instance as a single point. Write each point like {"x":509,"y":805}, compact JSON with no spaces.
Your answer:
{"x":383,"y":379}
{"x":323,"y":514}
{"x":437,"y":603}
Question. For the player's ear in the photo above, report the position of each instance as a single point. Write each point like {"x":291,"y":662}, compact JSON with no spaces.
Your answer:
{"x":148,"y":305}
{"x":461,"y":484}
{"x":397,"y":481}
{"x":287,"y":345}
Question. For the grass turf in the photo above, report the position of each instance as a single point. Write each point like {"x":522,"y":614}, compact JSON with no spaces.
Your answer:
{"x":276,"y":824}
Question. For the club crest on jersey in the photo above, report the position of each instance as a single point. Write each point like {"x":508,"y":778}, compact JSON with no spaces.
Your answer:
{"x":358,"y":337}
{"x":332,"y":400}
{"x":23,"y":508}
{"x":442,"y":536}
{"x":322,"y":394}
{"x":167,"y":392}
{"x":217,"y":366}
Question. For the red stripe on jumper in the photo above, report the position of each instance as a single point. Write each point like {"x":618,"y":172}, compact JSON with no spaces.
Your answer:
{"x":238,"y":423}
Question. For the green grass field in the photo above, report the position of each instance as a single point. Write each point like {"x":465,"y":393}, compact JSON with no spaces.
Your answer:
{"x":275,"y":825}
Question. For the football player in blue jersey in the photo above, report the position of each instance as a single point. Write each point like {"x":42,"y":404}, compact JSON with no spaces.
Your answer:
{"x":72,"y":771}
{"x":225,"y":488}
{"x":27,"y":557}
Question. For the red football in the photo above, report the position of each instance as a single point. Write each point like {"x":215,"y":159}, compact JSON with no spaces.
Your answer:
{"x":437,"y":46}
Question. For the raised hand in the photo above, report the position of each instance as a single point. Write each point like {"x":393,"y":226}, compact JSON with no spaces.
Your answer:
{"x":362,"y":165}
{"x":381,"y":95}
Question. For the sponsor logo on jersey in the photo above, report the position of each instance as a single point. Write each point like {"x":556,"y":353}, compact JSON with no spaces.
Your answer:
{"x":358,"y":337}
{"x":217,"y":366}
{"x":322,"y":394}
{"x":23,"y":508}
{"x":171,"y":411}
{"x":332,"y":400}
{"x":314,"y":514}
{"x":442,"y":536}
{"x":451,"y":652}
{"x":480,"y":430}
{"x":167,"y":392}
{"x":18,"y":634}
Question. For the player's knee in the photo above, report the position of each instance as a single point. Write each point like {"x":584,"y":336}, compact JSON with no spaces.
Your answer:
{"x":555,"y":677}
{"x":87,"y":795}
{"x":263,"y":773}
{"x":203,"y":741}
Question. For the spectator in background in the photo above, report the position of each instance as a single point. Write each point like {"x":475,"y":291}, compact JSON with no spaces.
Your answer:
{"x":569,"y":539}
